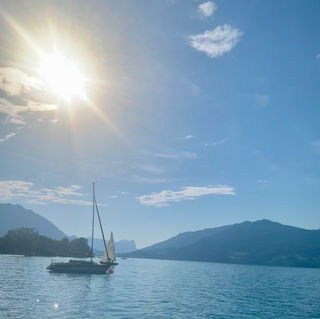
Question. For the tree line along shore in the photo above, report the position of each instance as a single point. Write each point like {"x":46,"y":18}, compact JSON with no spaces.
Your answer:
{"x":28,"y":242}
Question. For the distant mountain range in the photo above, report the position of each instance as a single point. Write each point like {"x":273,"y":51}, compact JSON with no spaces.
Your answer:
{"x":262,"y":243}
{"x":15,"y":216}
{"x":122,"y":246}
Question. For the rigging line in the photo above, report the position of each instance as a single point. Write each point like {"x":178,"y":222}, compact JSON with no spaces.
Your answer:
{"x":92,"y":220}
{"x":104,"y":241}
{"x":79,"y":216}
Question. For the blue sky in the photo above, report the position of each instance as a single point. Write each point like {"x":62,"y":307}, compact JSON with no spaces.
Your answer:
{"x":190,"y":114}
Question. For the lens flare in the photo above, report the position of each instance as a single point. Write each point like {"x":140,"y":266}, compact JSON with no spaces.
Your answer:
{"x":62,"y":76}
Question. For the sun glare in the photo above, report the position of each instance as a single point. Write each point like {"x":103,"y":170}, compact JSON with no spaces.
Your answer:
{"x":62,"y":76}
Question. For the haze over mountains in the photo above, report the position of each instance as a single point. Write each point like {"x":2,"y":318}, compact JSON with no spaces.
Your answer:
{"x":262,"y":242}
{"x":15,"y":216}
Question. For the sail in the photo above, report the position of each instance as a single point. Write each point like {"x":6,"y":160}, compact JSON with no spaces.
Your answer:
{"x":111,"y":252}
{"x":104,"y":258}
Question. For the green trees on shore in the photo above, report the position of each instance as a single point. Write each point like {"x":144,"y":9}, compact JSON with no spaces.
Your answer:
{"x":27,"y":241}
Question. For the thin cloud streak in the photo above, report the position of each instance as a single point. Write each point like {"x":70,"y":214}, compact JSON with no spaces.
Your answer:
{"x":189,"y":193}
{"x":11,"y":109}
{"x":217,"y":143}
{"x":140,"y":179}
{"x":173,"y":154}
{"x":315,"y":143}
{"x":2,"y":140}
{"x":148,"y":168}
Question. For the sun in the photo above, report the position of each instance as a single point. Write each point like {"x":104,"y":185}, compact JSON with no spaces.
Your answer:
{"x":62,"y":76}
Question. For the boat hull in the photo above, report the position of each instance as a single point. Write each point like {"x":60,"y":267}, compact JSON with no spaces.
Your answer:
{"x":79,"y":266}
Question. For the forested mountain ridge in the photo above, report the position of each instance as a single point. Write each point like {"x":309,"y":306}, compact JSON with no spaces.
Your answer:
{"x":262,"y":242}
{"x":15,"y":216}
{"x":27,"y":241}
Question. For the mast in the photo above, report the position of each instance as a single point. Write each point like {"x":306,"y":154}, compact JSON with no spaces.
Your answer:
{"x":104,"y":241}
{"x":92,"y":221}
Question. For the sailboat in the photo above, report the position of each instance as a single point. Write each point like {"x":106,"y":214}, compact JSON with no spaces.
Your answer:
{"x":82,"y":266}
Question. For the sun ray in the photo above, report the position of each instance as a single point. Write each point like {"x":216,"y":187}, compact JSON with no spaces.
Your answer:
{"x":62,"y":76}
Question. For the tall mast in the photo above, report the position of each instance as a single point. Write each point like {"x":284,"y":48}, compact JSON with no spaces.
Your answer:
{"x":92,"y":221}
{"x":104,"y":241}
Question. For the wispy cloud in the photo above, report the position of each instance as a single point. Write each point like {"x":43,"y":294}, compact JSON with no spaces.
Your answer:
{"x":140,"y":179}
{"x":262,"y":181}
{"x":35,"y":202}
{"x":189,"y":193}
{"x":7,"y":137}
{"x":124,"y":193}
{"x":148,"y":168}
{"x":40,"y":107}
{"x":318,"y":56}
{"x":16,"y":119}
{"x":20,"y":190}
{"x":13,"y":81}
{"x":174,"y":154}
{"x":189,"y":136}
{"x":315,"y":143}
{"x":113,"y":196}
{"x":68,"y":191}
{"x":259,"y":101}
{"x":53,"y":121}
{"x":207,"y":9}
{"x":12,"y":110}
{"x":216,"y":42}
{"x":217,"y":143}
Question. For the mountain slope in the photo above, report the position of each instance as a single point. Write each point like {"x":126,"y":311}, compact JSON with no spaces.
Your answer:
{"x":261,"y":242}
{"x":185,"y":239}
{"x":15,"y":216}
{"x":122,"y":246}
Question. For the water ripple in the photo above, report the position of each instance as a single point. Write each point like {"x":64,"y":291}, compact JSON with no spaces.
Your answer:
{"x":158,"y":289}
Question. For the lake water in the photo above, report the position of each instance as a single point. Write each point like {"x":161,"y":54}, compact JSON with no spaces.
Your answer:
{"x":142,"y":288}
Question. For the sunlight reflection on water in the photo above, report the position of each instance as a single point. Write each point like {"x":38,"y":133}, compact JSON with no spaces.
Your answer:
{"x":158,"y":289}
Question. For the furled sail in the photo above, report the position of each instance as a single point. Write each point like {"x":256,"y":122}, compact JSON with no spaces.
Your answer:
{"x":111,"y":252}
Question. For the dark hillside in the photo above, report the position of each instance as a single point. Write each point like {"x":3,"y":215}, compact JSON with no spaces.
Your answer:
{"x":15,"y":216}
{"x":262,"y":242}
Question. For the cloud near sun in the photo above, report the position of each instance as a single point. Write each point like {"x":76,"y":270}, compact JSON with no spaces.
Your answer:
{"x":189,"y":193}
{"x":14,"y":82}
{"x":56,"y":75}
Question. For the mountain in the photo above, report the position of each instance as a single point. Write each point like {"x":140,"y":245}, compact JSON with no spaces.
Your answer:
{"x":15,"y":216}
{"x":122,"y":246}
{"x":262,"y":242}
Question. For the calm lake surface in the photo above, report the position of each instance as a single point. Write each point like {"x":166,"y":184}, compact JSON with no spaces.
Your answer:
{"x":142,"y":288}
